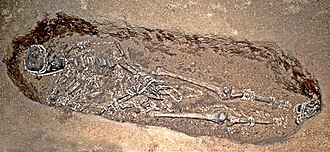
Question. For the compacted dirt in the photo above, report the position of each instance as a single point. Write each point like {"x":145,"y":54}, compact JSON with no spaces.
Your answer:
{"x":277,"y":49}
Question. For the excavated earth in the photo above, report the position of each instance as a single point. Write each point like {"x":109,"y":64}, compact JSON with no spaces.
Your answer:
{"x":277,"y":49}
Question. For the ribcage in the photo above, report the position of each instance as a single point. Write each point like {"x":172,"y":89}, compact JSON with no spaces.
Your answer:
{"x":86,"y":75}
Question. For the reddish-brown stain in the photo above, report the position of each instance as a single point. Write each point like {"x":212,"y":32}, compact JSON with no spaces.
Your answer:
{"x":296,"y":71}
{"x":309,"y":87}
{"x":45,"y":30}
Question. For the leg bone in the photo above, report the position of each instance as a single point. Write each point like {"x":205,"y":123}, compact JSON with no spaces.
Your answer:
{"x":220,"y":117}
{"x":225,"y":93}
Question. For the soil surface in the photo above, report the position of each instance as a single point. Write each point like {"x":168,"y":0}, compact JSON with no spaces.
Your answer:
{"x":278,"y":49}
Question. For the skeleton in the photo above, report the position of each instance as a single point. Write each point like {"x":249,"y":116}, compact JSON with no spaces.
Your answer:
{"x":225,"y":93}
{"x":92,"y":67}
{"x":39,"y":63}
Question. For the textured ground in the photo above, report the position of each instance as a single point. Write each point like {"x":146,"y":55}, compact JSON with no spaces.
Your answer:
{"x":298,"y":25}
